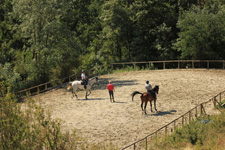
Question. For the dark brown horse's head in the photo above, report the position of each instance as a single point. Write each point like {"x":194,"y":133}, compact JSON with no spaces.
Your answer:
{"x":156,"y":89}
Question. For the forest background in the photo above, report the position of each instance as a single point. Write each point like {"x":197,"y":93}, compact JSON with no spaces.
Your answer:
{"x":45,"y":40}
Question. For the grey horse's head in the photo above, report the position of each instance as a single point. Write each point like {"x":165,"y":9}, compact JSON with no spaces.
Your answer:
{"x":97,"y":80}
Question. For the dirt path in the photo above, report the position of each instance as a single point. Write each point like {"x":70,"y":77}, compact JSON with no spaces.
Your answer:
{"x":122,"y":122}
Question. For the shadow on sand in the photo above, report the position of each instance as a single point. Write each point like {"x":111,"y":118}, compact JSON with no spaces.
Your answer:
{"x":119,"y":102}
{"x":104,"y":82}
{"x":91,"y":99}
{"x":162,"y":113}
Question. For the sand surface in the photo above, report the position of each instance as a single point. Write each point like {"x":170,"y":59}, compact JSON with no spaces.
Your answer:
{"x":122,"y":122}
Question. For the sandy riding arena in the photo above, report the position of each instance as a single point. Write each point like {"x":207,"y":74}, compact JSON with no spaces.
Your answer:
{"x":122,"y":122}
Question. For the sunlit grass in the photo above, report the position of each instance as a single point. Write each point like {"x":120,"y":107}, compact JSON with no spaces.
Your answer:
{"x":206,"y":133}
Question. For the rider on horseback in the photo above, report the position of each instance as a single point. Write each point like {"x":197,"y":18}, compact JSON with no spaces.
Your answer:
{"x":84,"y":79}
{"x":149,"y":89}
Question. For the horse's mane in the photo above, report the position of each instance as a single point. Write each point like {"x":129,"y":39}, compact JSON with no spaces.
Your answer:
{"x":156,"y":87}
{"x":93,"y":78}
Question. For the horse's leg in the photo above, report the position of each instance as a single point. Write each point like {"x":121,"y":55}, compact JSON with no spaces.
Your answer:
{"x":76,"y":95}
{"x":142,"y":101}
{"x":145,"y":107}
{"x":142,"y":105}
{"x":89,"y":92}
{"x":75,"y":92}
{"x":155,"y":104}
{"x":72,"y":93}
{"x":86,"y":95}
{"x":151,"y":106}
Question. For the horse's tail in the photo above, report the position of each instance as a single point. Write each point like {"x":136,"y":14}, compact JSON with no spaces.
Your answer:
{"x":134,"y":93}
{"x":69,"y":86}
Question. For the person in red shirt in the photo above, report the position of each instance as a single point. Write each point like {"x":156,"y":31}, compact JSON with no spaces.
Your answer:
{"x":111,"y":89}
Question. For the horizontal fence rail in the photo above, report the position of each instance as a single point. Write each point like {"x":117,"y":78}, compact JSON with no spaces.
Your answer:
{"x":44,"y":87}
{"x":178,"y":64}
{"x":49,"y":85}
{"x":184,"y":119}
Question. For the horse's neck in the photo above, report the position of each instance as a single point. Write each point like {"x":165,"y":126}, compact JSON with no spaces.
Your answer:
{"x":91,"y":82}
{"x":155,"y":90}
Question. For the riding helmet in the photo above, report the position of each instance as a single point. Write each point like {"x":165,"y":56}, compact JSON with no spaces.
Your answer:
{"x":147,"y":81}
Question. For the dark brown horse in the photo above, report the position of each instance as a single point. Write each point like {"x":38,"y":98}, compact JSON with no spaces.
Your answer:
{"x":145,"y":97}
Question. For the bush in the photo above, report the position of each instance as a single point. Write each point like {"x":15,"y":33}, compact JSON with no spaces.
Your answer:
{"x":30,"y":127}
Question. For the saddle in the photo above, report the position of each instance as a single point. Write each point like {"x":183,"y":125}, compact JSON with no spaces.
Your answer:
{"x":84,"y":82}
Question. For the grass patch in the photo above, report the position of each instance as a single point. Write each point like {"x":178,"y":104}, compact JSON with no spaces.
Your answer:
{"x":206,"y":133}
{"x":221,"y":104}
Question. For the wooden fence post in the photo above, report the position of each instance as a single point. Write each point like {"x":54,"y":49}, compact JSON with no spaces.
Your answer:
{"x":174,"y":125}
{"x":165,"y":130}
{"x":146,"y":143}
{"x":178,"y":65}
{"x":201,"y":109}
{"x":207,"y":64}
{"x":164,"y":65}
{"x":214,"y":101}
{"x":196,"y":112}
{"x":182,"y":120}
{"x":134,"y":65}
{"x":189,"y":116}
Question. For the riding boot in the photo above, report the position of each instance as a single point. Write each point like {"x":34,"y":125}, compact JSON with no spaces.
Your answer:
{"x":85,"y":86}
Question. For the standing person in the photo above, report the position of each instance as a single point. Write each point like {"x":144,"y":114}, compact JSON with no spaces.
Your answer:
{"x":110,"y":88}
{"x":84,"y":79}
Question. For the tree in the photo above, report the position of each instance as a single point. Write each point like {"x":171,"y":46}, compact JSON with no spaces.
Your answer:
{"x":117,"y":31}
{"x":202,"y":32}
{"x":48,"y":40}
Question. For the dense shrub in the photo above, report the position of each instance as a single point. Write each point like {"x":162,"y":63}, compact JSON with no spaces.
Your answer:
{"x":28,"y":127}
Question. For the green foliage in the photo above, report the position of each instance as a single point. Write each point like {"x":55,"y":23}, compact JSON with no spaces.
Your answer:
{"x":27,"y":126}
{"x":44,"y":40}
{"x":202,"y":30}
{"x":131,"y":68}
{"x":203,"y":133}
{"x":10,"y":76}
